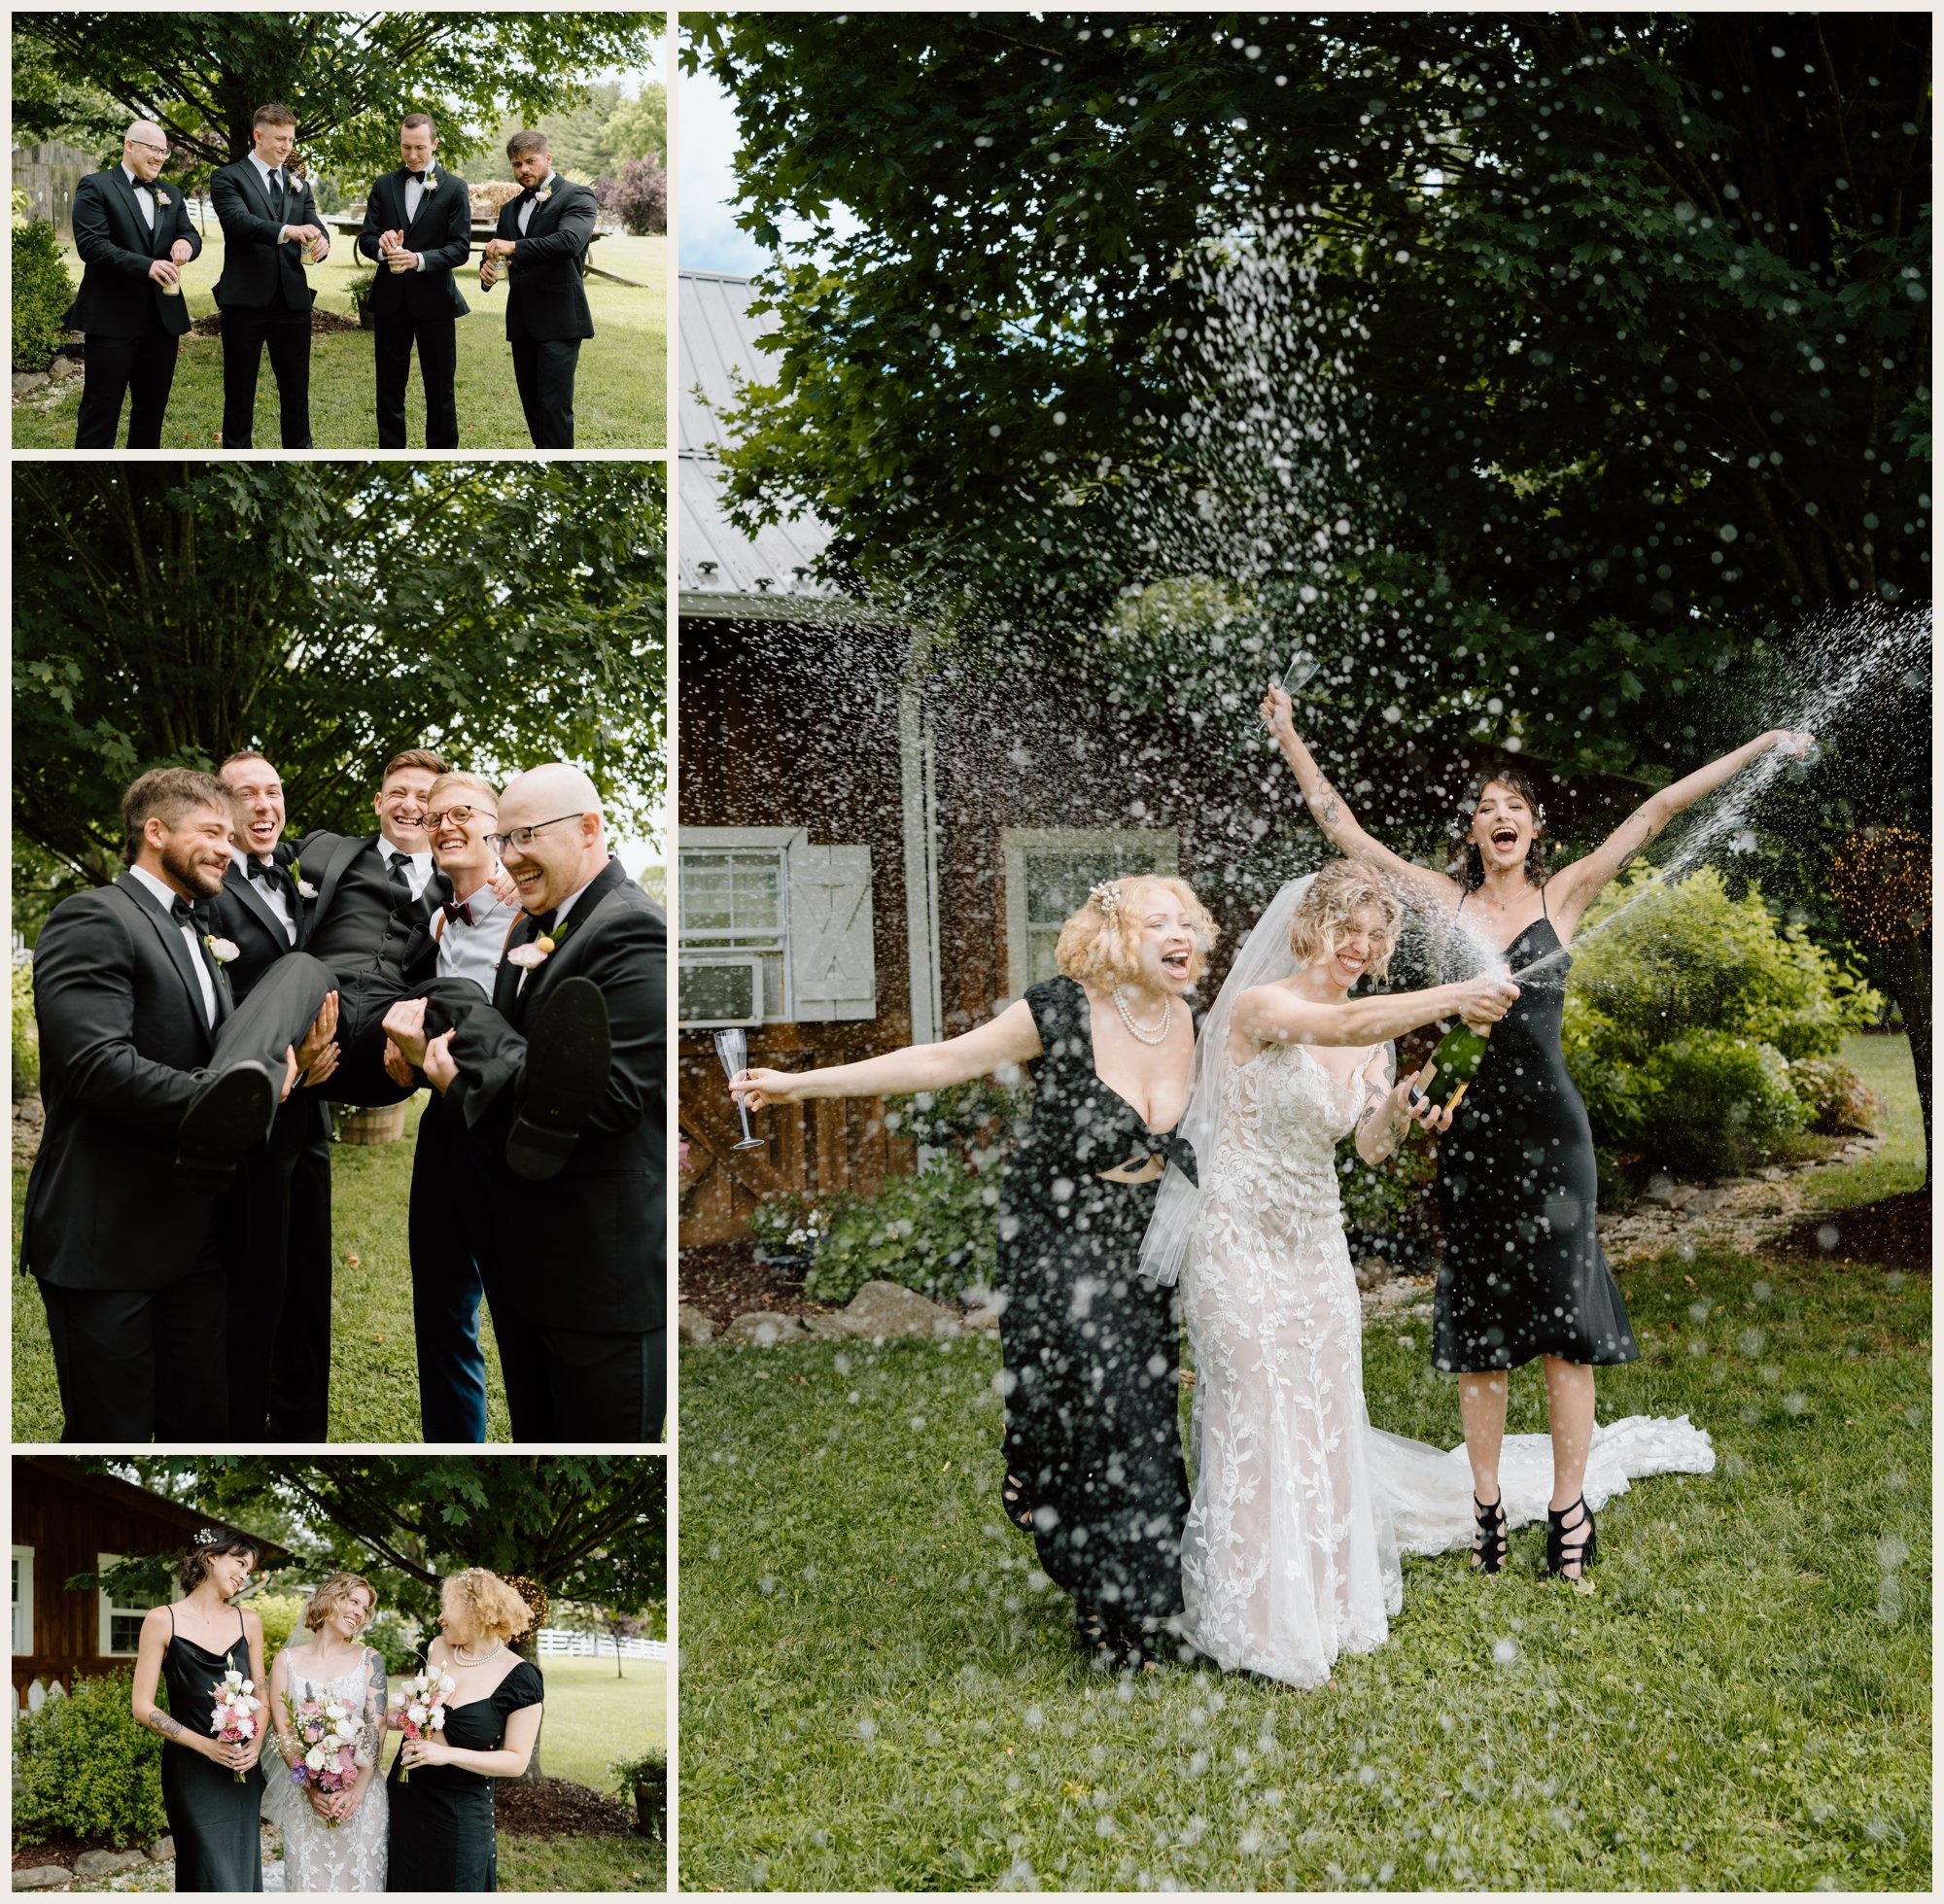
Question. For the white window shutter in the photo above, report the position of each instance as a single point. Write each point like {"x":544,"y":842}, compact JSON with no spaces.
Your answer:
{"x":833,"y":968}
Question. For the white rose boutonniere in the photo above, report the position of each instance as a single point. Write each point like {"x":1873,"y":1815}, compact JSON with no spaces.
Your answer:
{"x":222,"y":951}
{"x":164,"y":198}
{"x":305,"y":891}
{"x":431,"y":182}
{"x":541,"y":197}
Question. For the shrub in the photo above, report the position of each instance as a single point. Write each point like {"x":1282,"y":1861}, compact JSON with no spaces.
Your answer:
{"x":26,"y":1038}
{"x":42,"y":293}
{"x":83,"y":1768}
{"x":1722,"y":1101}
{"x":282,"y":1615}
{"x":1836,"y":1100}
{"x":979,"y":1118}
{"x":935,"y":1231}
{"x":1388,"y":1203}
{"x":644,"y":1782}
{"x":638,"y":195}
{"x":796,"y":1223}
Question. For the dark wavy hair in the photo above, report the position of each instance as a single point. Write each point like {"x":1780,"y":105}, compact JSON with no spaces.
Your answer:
{"x":210,"y":1543}
{"x":1465,"y":852}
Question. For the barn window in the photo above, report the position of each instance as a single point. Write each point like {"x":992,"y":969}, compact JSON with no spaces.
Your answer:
{"x":23,"y":1601}
{"x":1050,"y":872}
{"x":120,"y":1618}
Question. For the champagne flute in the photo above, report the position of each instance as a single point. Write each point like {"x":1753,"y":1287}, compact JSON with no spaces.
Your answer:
{"x":732,"y":1048}
{"x":1297,"y":676}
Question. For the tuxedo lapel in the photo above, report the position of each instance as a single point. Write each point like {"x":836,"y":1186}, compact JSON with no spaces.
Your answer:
{"x":346,"y":852}
{"x":559,"y":963}
{"x":149,"y":238}
{"x":170,"y":934}
{"x":239,"y":882}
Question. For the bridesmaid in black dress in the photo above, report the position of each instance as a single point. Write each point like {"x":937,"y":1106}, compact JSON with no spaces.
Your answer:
{"x":442,"y":1836}
{"x":189,"y":1646}
{"x":1523,"y":1274}
{"x":1092,"y":1352}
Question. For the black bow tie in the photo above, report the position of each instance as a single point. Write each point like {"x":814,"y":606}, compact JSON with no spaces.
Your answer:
{"x":184,"y":914}
{"x":528,"y":195}
{"x":420,"y":176}
{"x":458,"y":909}
{"x":269,"y":871}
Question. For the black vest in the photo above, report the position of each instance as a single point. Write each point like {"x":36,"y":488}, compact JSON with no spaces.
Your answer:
{"x":368,"y":925}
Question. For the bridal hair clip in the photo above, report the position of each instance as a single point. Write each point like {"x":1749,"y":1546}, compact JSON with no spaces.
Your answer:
{"x":1106,"y":895}
{"x":207,"y":1537}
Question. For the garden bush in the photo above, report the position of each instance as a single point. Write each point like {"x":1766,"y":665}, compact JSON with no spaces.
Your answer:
{"x":83,"y":1768}
{"x":43,"y":290}
{"x":1838,"y":1101}
{"x":638,"y":195}
{"x":1721,"y":1102}
{"x":935,"y":1231}
{"x":796,"y":1223}
{"x":26,"y":1043}
{"x":1387,"y":1206}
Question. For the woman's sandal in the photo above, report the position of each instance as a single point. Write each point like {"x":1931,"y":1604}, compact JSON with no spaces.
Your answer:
{"x":1584,"y":1536}
{"x":1019,"y":1510}
{"x":1489,"y":1546}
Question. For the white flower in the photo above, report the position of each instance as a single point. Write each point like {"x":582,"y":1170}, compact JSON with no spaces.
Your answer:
{"x":222,"y":951}
{"x":438,"y":1719}
{"x":246,"y":1726}
{"x":233,"y":1677}
{"x":360,"y":1757}
{"x":446,"y":1682}
{"x":305,"y":891}
{"x":315,"y":1758}
{"x":249,"y":1685}
{"x":526,"y":958}
{"x":416,"y":1714}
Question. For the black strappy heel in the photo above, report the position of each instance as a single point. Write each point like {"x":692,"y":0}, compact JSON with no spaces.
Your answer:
{"x":1115,"y":1644}
{"x":1586,"y":1547}
{"x":1019,"y":1508}
{"x":1491,"y":1547}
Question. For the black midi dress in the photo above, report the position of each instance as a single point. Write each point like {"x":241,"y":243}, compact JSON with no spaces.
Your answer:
{"x":441,"y":1818}
{"x":1092,"y":1353}
{"x":1523,"y":1274}
{"x":212,"y":1817}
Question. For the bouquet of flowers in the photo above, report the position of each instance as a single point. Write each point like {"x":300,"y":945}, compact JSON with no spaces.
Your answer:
{"x":232,"y":1715}
{"x":333,"y":1737}
{"x":421,"y":1701}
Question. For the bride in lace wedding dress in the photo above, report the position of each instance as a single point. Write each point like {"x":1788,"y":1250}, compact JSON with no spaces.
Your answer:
{"x":1300,"y":1508}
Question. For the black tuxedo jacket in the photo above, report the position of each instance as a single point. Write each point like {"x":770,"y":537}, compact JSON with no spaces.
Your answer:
{"x":124,"y":1046}
{"x":246,"y":918}
{"x":324,"y":856}
{"x":258,"y":270}
{"x":117,"y":298}
{"x":545,"y":298}
{"x":587,"y":1249}
{"x":443,"y":232}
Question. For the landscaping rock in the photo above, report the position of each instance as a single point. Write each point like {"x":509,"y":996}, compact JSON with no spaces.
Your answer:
{"x":1659,"y":1191}
{"x":888,"y":1310}
{"x":164,"y":1850}
{"x":1680,"y":1195}
{"x":826,"y":1327}
{"x":1374,"y":1272}
{"x":985,"y":1318}
{"x":64,"y":366}
{"x":692,"y":1325}
{"x":1706,"y":1200}
{"x":44,"y":1877}
{"x":24,"y":381}
{"x":105,"y":1864}
{"x":764,"y":1329}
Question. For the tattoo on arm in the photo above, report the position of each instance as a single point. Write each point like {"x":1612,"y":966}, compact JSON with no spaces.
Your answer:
{"x":159,"y":1722}
{"x":1324,"y":805}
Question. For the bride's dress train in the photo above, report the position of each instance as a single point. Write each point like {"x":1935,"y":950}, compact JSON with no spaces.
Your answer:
{"x":1300,"y":1508}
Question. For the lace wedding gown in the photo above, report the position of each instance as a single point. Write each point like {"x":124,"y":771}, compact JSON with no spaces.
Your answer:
{"x":1300,"y":1508}
{"x":352,"y":1857}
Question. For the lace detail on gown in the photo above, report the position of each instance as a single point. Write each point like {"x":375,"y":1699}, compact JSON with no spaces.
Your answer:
{"x":1300,"y":1508}
{"x":315,"y":1857}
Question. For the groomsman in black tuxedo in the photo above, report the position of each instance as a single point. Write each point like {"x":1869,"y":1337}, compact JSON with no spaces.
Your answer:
{"x":156,"y":1082}
{"x":269,"y":218}
{"x":132,"y":237}
{"x":418,"y":229}
{"x":279,"y":1277}
{"x":544,"y":234}
{"x":562,"y":1082}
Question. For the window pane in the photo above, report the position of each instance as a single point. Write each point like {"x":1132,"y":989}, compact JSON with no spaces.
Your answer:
{"x":125,"y":1631}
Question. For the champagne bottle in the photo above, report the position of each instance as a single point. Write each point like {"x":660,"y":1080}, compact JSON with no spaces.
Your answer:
{"x":1455,"y":1063}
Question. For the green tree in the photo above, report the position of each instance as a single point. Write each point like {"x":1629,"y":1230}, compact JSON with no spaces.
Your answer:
{"x":329,"y":614}
{"x":638,"y":127}
{"x":349,"y":77}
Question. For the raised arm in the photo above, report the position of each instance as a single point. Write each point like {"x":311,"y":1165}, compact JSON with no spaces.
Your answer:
{"x":1331,"y":813}
{"x":1011,"y":1038}
{"x":1273,"y":1015}
{"x":1578,"y":885}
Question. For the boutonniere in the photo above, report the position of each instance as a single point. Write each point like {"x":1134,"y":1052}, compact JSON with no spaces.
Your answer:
{"x":543,"y":194}
{"x":222,"y":951}
{"x":430,"y":181}
{"x":164,"y":198}
{"x":305,"y":891}
{"x":537,"y":951}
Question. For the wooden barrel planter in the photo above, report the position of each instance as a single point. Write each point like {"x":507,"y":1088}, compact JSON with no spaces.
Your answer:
{"x":385,"y":1126}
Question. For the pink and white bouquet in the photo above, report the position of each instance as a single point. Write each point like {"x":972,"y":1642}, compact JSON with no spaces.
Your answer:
{"x":333,"y":1737}
{"x":421,"y":1702}
{"x":232,"y":1714}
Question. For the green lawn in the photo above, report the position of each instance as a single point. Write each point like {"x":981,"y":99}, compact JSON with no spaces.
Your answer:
{"x":593,"y":1719}
{"x":620,"y":392}
{"x":580,"y":1865}
{"x":373,"y":1362}
{"x":880,"y":1690}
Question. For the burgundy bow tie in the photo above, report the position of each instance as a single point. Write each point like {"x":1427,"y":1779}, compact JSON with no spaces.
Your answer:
{"x":458,"y":909}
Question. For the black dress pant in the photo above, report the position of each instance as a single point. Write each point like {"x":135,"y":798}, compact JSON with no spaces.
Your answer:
{"x":543,"y":370}
{"x":112,"y":367}
{"x":246,"y":330}
{"x":362,"y":1000}
{"x":142,"y":1362}
{"x":438,"y":358}
{"x":301,"y":1382}
{"x":577,"y":1384}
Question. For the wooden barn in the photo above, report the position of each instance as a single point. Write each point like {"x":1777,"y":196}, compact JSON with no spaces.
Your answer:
{"x":66,"y":1523}
{"x":877,"y":848}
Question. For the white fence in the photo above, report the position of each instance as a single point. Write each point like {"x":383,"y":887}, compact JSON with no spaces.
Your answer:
{"x":596,"y":1646}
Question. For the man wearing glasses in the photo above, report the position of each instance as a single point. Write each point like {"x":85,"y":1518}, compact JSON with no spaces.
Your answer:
{"x":561,"y":1081}
{"x":134,"y":236}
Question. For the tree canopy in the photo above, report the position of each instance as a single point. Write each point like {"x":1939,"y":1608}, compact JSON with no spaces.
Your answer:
{"x":329,"y":615}
{"x":349,"y":77}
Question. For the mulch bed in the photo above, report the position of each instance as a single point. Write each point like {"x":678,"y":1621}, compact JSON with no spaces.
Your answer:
{"x":58,"y":1851}
{"x":322,"y":324}
{"x":558,"y":1808}
{"x":1893,"y":1233}
{"x":724,"y":1281}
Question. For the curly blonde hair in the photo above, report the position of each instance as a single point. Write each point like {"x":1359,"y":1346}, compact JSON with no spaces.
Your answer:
{"x":490,"y":1608}
{"x":1097,"y":944}
{"x":1326,"y":913}
{"x":331,"y":1594}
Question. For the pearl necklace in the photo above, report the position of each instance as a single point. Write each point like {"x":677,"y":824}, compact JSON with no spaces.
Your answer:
{"x":460,"y":1654}
{"x":1147,"y":1034}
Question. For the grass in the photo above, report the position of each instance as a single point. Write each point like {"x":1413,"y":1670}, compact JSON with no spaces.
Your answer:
{"x":593,"y":1719}
{"x":373,"y":1358}
{"x":578,"y":1864}
{"x":879,"y":1690}
{"x":1884,"y":1064}
{"x":621,"y":391}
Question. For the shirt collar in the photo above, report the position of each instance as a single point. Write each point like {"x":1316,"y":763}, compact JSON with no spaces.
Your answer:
{"x":140,"y":185}
{"x":386,"y":850}
{"x":164,"y":894}
{"x":264,"y":165}
{"x":566,"y":906}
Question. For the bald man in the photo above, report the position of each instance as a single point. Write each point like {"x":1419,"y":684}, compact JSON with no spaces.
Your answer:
{"x":133,"y":236}
{"x":562,"y":1082}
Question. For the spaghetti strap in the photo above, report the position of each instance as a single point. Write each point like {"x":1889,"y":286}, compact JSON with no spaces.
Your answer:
{"x":1543,"y":912}
{"x":172,"y":1620}
{"x":242,"y":1631}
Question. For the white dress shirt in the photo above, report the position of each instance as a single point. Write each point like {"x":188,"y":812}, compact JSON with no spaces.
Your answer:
{"x":560,"y":914}
{"x":143,"y":196}
{"x":273,"y":896}
{"x":472,"y":951}
{"x":526,"y":214}
{"x":165,"y":897}
{"x":418,"y":865}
